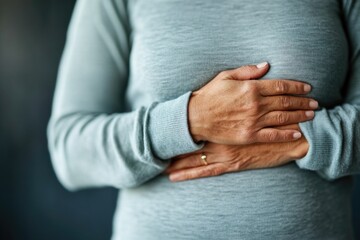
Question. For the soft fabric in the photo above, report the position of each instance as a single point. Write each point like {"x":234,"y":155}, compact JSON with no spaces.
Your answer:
{"x":120,"y":114}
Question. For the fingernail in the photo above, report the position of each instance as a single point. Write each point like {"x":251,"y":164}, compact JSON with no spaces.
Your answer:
{"x":297,"y":135}
{"x":313,"y":104}
{"x":307,"y":88}
{"x":310,"y":114}
{"x":261,"y":65}
{"x":173,"y":177}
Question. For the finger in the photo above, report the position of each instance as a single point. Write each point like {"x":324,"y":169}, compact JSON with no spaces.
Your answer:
{"x":203,"y":171}
{"x":269,"y":135}
{"x":278,"y":103}
{"x":183,"y":163}
{"x":281,"y":87}
{"x":279,"y":118}
{"x":289,"y":127}
{"x":249,"y":72}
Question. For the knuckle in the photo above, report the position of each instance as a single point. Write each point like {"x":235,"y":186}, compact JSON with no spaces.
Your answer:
{"x":285,"y":102}
{"x":224,"y":74}
{"x":249,"y":87}
{"x":280,"y":86}
{"x":215,"y":171}
{"x":272,"y":136}
{"x":302,"y":103}
{"x":299,"y":88}
{"x":192,"y":175}
{"x":250,"y":94}
{"x":185,"y":176}
{"x":248,"y":134}
{"x":282,"y":118}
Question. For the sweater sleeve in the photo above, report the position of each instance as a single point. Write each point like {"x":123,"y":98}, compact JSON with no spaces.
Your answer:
{"x":92,"y":140}
{"x":334,"y":134}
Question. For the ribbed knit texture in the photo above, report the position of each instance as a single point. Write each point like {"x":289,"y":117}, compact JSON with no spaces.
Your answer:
{"x":120,"y":114}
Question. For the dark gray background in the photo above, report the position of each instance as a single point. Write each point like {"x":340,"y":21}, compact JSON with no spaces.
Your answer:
{"x":33,"y":205}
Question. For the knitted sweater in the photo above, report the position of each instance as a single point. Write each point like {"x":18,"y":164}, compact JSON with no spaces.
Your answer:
{"x":120,"y":114}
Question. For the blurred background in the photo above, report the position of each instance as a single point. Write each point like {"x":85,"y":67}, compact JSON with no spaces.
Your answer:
{"x":33,"y":204}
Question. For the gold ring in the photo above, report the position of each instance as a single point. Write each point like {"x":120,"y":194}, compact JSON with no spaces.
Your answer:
{"x":203,"y":158}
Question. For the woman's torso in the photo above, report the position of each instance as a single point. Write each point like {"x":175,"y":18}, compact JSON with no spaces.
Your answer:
{"x":179,"y":46}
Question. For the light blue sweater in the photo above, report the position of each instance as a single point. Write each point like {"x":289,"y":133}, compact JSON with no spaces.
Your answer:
{"x":120,"y":114}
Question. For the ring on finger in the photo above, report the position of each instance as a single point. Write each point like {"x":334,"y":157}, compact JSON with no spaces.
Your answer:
{"x":203,"y":159}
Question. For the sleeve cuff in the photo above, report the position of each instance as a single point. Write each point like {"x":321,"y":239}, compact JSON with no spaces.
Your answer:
{"x":305,"y":162}
{"x":321,"y":146}
{"x":169,"y":130}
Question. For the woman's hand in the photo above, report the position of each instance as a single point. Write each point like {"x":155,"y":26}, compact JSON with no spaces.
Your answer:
{"x":231,"y":158}
{"x":233,"y":109}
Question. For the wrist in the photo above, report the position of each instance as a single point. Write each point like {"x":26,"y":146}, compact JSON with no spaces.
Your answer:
{"x":195,"y":120}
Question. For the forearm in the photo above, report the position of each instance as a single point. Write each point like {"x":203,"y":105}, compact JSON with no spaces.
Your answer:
{"x":93,"y":139}
{"x":93,"y":150}
{"x":119,"y":149}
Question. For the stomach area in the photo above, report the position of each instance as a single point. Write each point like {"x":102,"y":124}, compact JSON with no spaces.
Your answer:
{"x":281,"y":203}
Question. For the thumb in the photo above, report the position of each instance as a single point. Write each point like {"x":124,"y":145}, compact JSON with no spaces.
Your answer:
{"x":249,"y":72}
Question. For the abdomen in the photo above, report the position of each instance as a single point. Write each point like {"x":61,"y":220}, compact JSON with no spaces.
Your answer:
{"x":278,"y":203}
{"x":174,"y":53}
